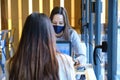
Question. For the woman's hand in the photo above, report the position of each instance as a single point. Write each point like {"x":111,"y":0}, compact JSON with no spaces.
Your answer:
{"x":76,"y":62}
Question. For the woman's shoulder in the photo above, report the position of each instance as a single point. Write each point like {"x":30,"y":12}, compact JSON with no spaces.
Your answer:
{"x":64,"y":57}
{"x":65,"y":60}
{"x":74,"y":35}
{"x":66,"y":67}
{"x":72,"y":31}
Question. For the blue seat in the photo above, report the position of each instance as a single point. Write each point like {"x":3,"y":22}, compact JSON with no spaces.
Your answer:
{"x":6,"y":47}
{"x":2,"y":49}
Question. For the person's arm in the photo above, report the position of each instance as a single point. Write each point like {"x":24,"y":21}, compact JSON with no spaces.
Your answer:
{"x":70,"y":68}
{"x":66,"y":67}
{"x":78,"y":48}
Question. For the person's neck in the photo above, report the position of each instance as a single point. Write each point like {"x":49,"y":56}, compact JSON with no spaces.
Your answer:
{"x":60,"y":34}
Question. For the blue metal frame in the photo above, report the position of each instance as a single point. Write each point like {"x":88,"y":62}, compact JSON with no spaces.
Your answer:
{"x":112,"y":40}
{"x":90,"y":28}
{"x":85,"y":6}
{"x":86,"y":29}
{"x":83,"y":21}
{"x":3,"y":50}
{"x":97,"y":67}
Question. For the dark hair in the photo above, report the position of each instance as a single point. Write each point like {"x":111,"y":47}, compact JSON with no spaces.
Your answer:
{"x":62,"y":11}
{"x":35,"y":58}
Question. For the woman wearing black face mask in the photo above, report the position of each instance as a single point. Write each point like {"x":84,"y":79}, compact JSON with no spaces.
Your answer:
{"x":58,"y":24}
{"x":64,"y":32}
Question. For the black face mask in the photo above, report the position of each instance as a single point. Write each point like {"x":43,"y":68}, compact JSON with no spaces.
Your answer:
{"x":58,"y":29}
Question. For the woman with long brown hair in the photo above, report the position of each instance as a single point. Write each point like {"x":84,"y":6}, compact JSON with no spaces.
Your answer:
{"x":36,"y":57}
{"x":64,"y":32}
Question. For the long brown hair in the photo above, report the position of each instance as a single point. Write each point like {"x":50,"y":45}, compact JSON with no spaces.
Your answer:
{"x":35,"y":57}
{"x":62,"y":11}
